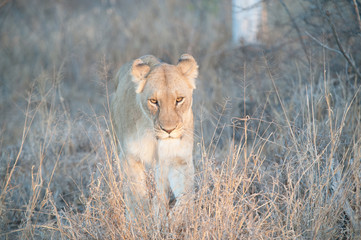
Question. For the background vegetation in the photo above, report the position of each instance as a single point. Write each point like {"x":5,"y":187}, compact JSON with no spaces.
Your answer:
{"x":278,"y":124}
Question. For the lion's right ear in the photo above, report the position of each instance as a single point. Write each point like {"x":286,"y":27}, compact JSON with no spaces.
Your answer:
{"x":139,"y":72}
{"x":189,"y":67}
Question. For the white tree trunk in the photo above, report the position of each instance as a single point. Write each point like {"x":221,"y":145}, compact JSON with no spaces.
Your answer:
{"x":246,"y":20}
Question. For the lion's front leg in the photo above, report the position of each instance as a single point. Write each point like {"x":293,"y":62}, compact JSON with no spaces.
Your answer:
{"x":136,"y":193}
{"x":160,"y":201}
{"x":181,"y":177}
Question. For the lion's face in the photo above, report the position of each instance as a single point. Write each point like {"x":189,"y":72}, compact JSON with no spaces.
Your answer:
{"x":165,"y":94}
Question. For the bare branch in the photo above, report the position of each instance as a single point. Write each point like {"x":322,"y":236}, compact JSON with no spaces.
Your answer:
{"x":322,"y":44}
{"x":297,"y":28}
{"x":346,"y":56}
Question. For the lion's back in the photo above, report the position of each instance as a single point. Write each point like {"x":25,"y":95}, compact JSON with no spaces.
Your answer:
{"x":123,"y":105}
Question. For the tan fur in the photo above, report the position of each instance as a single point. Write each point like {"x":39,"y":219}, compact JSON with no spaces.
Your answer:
{"x":152,"y":116}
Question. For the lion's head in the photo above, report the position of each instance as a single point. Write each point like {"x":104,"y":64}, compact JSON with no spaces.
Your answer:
{"x":165,"y":93}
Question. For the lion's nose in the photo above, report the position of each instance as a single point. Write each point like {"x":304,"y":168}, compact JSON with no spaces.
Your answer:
{"x":167,"y":130}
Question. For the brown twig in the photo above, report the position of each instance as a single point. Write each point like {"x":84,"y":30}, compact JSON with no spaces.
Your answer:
{"x":4,"y":3}
{"x":357,"y":13}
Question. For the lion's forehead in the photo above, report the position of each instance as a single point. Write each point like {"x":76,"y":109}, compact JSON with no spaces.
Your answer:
{"x":168,"y":94}
{"x":166,"y":76}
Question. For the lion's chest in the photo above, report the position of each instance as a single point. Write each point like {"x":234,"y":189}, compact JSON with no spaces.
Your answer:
{"x":169,"y":148}
{"x":173,"y":151}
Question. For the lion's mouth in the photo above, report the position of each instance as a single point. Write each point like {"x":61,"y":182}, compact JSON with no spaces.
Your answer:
{"x":162,"y":135}
{"x":168,"y":137}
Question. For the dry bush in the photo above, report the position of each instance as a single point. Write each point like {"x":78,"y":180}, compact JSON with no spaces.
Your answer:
{"x":278,"y":159}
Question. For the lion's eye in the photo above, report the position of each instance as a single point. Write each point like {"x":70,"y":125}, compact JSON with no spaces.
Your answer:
{"x":154,"y":101}
{"x":179,"y":99}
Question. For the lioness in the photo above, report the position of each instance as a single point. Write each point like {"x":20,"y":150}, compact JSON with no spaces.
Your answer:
{"x":151,"y":112}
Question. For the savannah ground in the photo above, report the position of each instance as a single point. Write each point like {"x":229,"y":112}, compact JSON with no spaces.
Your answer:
{"x":278,"y":124}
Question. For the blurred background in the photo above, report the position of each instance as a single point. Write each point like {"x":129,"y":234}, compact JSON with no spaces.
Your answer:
{"x":76,"y":39}
{"x":293,"y":67}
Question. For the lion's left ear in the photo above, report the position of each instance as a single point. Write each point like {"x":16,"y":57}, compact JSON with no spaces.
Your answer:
{"x":139,"y":72}
{"x":189,"y":68}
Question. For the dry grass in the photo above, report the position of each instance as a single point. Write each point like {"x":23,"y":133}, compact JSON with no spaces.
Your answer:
{"x":278,"y":159}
